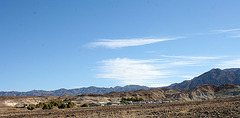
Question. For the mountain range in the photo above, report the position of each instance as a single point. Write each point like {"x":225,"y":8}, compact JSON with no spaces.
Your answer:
{"x":60,"y":92}
{"x":212,"y":77}
{"x":202,"y":92}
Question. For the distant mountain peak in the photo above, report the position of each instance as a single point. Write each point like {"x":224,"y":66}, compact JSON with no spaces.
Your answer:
{"x":215,"y":76}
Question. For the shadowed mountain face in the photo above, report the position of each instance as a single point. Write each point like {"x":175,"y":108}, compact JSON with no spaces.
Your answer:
{"x":60,"y":92}
{"x":212,"y":77}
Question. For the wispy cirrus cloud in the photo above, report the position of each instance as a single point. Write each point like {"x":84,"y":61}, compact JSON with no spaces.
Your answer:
{"x":233,"y":33}
{"x":227,"y":30}
{"x":234,"y":63}
{"x":196,"y":57}
{"x":131,"y":71}
{"x":150,"y":72}
{"x":120,"y":43}
{"x":176,"y":61}
{"x":236,"y":36}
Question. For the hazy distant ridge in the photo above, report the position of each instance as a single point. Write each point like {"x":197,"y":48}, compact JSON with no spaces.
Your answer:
{"x":60,"y":92}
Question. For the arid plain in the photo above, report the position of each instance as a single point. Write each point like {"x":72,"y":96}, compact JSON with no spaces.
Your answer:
{"x":227,"y":107}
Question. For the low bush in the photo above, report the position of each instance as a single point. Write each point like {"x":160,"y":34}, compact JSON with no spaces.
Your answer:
{"x":85,"y":105}
{"x":31,"y":106}
{"x":47,"y":106}
{"x":62,"y":106}
{"x":70,"y":104}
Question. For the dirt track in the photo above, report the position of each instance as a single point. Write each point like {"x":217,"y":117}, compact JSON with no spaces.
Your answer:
{"x":229,"y":107}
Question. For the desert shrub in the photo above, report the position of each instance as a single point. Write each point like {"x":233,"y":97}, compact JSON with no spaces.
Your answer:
{"x":138,"y":99}
{"x":85,"y":105}
{"x":62,"y":106}
{"x":123,"y":101}
{"x":56,"y":102}
{"x":31,"y":107}
{"x":39,"y":105}
{"x":70,"y":104}
{"x":47,"y":106}
{"x":51,"y":106}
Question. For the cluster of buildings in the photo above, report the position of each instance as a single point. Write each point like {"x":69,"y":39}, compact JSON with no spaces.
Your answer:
{"x":131,"y":103}
{"x":119,"y":103}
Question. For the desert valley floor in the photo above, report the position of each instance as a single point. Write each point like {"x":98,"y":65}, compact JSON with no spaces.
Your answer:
{"x":227,"y":107}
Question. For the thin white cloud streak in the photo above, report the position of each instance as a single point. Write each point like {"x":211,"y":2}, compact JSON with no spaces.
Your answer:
{"x":125,"y":68}
{"x":228,"y":30}
{"x":182,"y":63}
{"x":197,"y":61}
{"x":120,"y":43}
{"x":237,"y":36}
{"x":195,"y":57}
{"x":155,"y":72}
{"x":235,"y":63}
{"x":146,"y":72}
{"x":233,"y":33}
{"x":131,"y":71}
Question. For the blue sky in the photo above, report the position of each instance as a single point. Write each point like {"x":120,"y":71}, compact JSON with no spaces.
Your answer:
{"x":52,"y":44}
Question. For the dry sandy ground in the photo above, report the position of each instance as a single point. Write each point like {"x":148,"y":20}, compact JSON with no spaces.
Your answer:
{"x":228,"y":107}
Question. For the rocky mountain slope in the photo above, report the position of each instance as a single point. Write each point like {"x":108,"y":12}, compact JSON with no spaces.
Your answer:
{"x":60,"y":92}
{"x":202,"y":92}
{"x":205,"y":92}
{"x":212,"y":77}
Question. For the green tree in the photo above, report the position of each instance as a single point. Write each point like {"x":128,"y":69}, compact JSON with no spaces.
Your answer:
{"x":31,"y":107}
{"x":85,"y":105}
{"x":45,"y":106}
{"x":123,"y":101}
{"x":62,"y":106}
{"x":124,"y":98}
{"x":56,"y":102}
{"x":50,"y":106}
{"x":70,"y":104}
{"x":40,"y":105}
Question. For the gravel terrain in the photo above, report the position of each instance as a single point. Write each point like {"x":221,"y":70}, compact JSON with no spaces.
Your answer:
{"x":228,"y":107}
